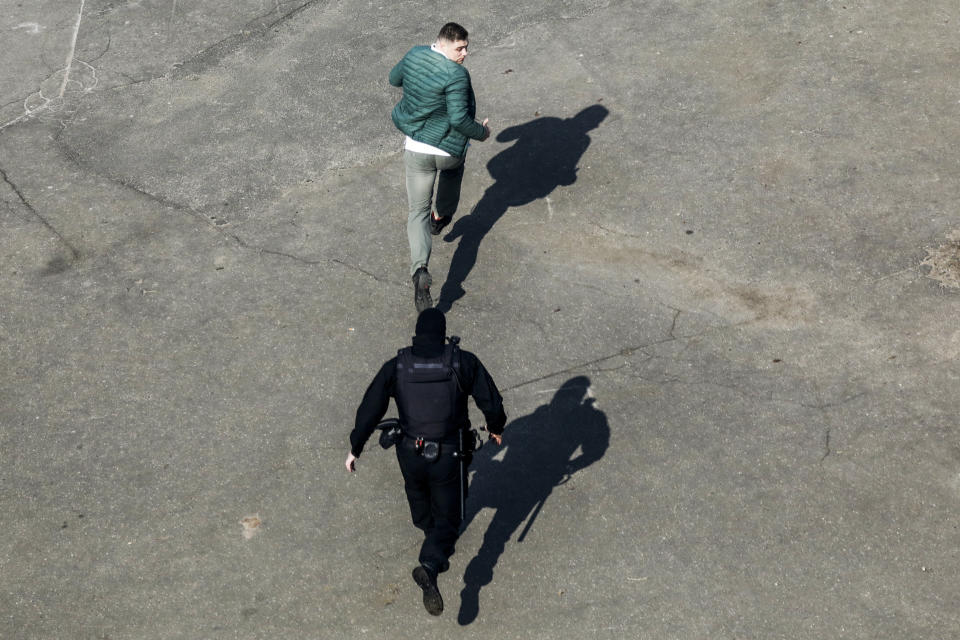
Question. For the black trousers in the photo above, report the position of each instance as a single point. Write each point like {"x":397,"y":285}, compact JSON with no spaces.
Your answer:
{"x":433,"y":492}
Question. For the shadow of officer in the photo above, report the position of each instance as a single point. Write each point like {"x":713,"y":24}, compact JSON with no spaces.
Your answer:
{"x":541,"y":455}
{"x":545,"y":157}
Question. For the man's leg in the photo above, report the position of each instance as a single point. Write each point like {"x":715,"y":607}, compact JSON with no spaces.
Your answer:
{"x":421,"y":173}
{"x":448,"y":191}
{"x":416,"y":481}
{"x":416,"y":485}
{"x":441,"y":540}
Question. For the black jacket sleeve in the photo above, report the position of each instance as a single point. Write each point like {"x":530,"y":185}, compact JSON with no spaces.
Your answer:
{"x":485,"y":393}
{"x":373,"y":406}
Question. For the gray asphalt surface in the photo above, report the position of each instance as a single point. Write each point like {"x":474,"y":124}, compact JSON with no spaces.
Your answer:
{"x":710,"y":259}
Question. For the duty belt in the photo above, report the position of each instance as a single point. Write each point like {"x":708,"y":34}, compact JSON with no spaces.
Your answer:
{"x":429,"y":449}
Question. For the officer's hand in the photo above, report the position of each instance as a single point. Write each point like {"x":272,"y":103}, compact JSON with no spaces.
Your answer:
{"x":497,"y":437}
{"x":351,"y":462}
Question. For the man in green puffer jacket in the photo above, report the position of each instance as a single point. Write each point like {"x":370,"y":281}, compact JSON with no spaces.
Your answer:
{"x":437,"y":114}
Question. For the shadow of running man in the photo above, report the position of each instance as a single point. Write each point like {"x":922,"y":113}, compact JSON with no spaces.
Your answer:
{"x":545,"y":157}
{"x":539,"y":456}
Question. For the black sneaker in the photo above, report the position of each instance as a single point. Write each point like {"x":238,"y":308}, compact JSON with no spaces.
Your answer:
{"x":421,"y":289}
{"x":437,"y":224}
{"x":432,"y":601}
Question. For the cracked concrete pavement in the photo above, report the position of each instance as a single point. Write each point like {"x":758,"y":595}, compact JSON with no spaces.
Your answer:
{"x":730,"y":381}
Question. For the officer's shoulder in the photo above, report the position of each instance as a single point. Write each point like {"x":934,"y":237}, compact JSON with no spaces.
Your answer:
{"x":467,"y":355}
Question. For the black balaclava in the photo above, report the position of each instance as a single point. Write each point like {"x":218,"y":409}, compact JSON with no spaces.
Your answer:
{"x":431,"y":325}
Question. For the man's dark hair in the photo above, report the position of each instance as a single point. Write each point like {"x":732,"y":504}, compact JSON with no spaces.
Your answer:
{"x":452,"y":32}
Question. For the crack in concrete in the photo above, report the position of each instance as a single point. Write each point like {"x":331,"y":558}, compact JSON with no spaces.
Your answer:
{"x":106,"y":48}
{"x":363,"y":271}
{"x":283,"y":254}
{"x":820,"y":405}
{"x":768,"y":397}
{"x":221,"y":49}
{"x":672,"y":337}
{"x":673,"y":325}
{"x":288,"y":16}
{"x":15,"y":211}
{"x":624,"y":352}
{"x":895,"y":274}
{"x":830,"y":405}
{"x":70,"y":155}
{"x":611,"y":369}
{"x":826,"y":445}
{"x":132,"y":82}
{"x":74,"y":252}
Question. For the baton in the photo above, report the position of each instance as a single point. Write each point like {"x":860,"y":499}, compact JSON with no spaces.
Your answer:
{"x":463,"y":488}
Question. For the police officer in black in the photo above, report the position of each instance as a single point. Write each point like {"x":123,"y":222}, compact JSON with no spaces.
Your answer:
{"x":430,"y":382}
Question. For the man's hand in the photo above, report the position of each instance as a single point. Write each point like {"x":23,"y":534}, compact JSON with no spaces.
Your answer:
{"x":486,"y":129}
{"x":351,"y":462}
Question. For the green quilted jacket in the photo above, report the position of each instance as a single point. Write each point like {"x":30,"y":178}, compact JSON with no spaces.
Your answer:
{"x":438,"y":106}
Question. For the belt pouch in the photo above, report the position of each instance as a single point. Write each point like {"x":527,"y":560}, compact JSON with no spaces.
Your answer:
{"x":430,"y":450}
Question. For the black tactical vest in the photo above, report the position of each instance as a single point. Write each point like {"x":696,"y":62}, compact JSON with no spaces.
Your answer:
{"x":429,"y":397}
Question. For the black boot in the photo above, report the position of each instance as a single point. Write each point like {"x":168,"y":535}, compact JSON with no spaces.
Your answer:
{"x":427,"y":580}
{"x":421,"y":289}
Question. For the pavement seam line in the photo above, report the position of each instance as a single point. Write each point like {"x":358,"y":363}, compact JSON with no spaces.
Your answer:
{"x":68,"y":65}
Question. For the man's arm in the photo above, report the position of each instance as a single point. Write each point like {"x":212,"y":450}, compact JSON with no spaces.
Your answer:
{"x":396,"y":74}
{"x":374,"y":405}
{"x":458,"y":94}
